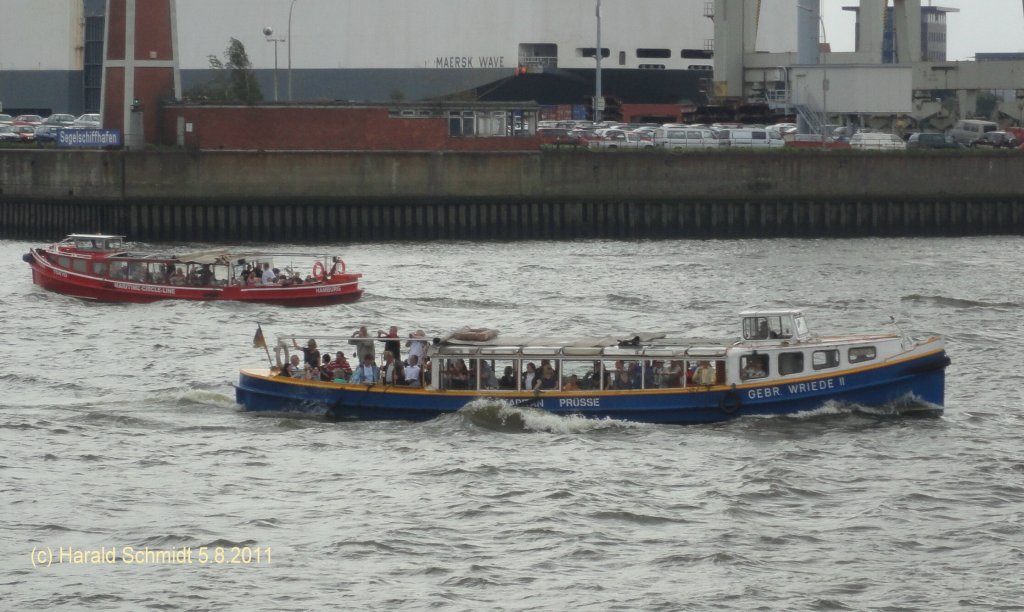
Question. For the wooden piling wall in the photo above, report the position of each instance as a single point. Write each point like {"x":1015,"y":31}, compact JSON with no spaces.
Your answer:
{"x":358,"y":197}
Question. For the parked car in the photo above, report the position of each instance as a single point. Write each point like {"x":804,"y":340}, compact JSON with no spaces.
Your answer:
{"x":932,"y":140}
{"x":750,"y":138}
{"x":47,"y":133}
{"x":619,"y":139}
{"x":7,"y":134}
{"x":59,"y":120}
{"x":28,"y":120}
{"x":26,"y":133}
{"x":678,"y":138}
{"x":6,"y":119}
{"x":995,"y":140}
{"x":558,"y":137}
{"x":877,"y":141}
{"x":967,"y":131}
{"x":88,"y":120}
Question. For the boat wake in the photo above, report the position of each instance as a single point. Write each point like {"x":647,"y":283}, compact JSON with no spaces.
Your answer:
{"x":959,"y":302}
{"x":505,"y":417}
{"x":907,"y":406}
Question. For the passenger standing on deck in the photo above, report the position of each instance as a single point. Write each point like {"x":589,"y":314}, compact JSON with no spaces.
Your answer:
{"x":364,"y":348}
{"x":392,"y":346}
{"x":417,"y":344}
{"x":310,"y":353}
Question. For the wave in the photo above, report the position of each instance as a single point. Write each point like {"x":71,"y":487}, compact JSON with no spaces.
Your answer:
{"x":499,"y":415}
{"x":940,"y":300}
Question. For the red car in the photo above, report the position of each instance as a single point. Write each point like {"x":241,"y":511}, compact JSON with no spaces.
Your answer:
{"x":27,"y":133}
{"x":28,"y":120}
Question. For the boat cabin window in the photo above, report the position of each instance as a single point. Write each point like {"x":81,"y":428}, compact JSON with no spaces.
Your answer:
{"x":454,"y":373}
{"x":481,"y":374}
{"x":791,"y":363}
{"x":858,"y":354}
{"x":579,"y":374}
{"x":766,"y":328}
{"x":64,"y":262}
{"x":99,"y":268}
{"x":753,"y":366}
{"x":822,"y":360}
{"x":118,"y":270}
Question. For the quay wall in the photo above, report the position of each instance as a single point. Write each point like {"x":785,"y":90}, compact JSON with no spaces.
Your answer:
{"x":360,"y":196}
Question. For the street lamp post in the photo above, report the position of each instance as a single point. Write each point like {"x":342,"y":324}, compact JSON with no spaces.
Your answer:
{"x":290,"y":7}
{"x":269,"y":32}
{"x":598,"y":98}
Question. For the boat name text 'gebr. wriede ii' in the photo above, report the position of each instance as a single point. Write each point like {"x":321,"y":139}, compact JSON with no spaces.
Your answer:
{"x":466,"y":61}
{"x":795,"y":388}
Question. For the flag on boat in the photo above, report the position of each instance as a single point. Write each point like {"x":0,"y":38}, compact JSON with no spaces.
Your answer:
{"x":258,"y":341}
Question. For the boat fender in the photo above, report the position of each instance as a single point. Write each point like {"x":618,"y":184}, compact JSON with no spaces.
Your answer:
{"x":730,"y":402}
{"x":318,"y":270}
{"x":27,"y":258}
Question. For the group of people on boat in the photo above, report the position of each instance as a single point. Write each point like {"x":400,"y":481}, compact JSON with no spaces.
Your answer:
{"x":416,"y":369}
{"x":266,"y":275}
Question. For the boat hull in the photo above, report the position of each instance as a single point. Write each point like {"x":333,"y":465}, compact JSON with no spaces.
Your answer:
{"x":338,"y":289}
{"x":920,"y":378}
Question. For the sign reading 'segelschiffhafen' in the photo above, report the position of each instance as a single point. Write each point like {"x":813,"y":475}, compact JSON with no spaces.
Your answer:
{"x":88,"y":138}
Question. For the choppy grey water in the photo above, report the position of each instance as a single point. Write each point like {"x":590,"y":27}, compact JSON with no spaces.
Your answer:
{"x":118,"y":428}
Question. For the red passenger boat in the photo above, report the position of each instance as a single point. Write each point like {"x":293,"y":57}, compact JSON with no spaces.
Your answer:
{"x":98,"y":267}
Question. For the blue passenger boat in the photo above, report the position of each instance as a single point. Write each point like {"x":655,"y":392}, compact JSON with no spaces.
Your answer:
{"x":776,"y":367}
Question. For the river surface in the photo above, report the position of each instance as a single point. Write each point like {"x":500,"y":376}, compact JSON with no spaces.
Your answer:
{"x":118,"y":428}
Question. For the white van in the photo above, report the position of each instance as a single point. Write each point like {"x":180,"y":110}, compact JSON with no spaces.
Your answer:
{"x":685,"y":138}
{"x":750,"y":138}
{"x":967,"y":131}
{"x":876,"y":141}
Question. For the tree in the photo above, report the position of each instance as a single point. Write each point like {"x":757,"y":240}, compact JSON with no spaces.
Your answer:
{"x":233,"y":79}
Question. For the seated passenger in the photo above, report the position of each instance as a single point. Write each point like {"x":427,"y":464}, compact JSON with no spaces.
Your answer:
{"x":339,"y":365}
{"x":754,"y":368}
{"x":293,"y":368}
{"x":425,"y":371}
{"x":412,"y":371}
{"x":704,"y":374}
{"x":529,"y":376}
{"x":508,"y":380}
{"x":367,"y":372}
{"x":458,"y":375}
{"x":178,"y":278}
{"x":674,"y":375}
{"x":548,"y":379}
{"x":573,"y":384}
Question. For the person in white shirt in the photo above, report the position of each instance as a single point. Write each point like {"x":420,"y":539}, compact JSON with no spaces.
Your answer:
{"x":412,"y":372}
{"x":417,"y":344}
{"x":268,"y":275}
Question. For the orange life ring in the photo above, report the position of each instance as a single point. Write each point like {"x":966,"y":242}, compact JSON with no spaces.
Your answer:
{"x":334,"y":268}
{"x":318,"y":271}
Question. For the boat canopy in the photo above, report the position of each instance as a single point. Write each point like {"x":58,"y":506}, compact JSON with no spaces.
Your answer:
{"x":217,"y":256}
